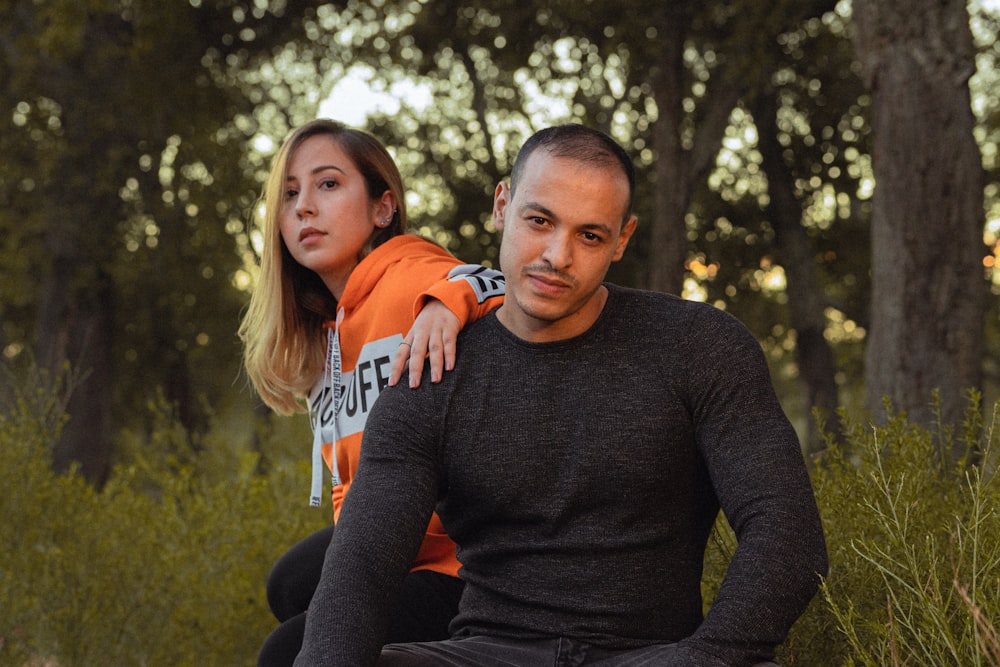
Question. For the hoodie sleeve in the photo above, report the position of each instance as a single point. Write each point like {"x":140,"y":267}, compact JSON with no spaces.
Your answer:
{"x":469,"y":291}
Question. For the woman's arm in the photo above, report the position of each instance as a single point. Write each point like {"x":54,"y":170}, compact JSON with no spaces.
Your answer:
{"x":466,"y":294}
{"x":433,"y":334}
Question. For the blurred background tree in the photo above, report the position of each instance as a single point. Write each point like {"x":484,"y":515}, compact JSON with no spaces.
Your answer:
{"x":138,"y":133}
{"x":125,"y":187}
{"x":751,"y":127}
{"x":928,"y":296}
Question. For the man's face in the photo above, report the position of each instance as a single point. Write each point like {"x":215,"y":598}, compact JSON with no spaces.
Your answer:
{"x":561,"y":230}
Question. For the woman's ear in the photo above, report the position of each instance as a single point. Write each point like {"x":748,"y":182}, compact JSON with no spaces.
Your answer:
{"x":385,"y":209}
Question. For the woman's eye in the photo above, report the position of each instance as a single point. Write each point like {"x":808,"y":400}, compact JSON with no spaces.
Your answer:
{"x":328,"y":184}
{"x":290,"y":193}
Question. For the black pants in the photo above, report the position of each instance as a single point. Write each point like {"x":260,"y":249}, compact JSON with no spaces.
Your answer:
{"x":482,"y":651}
{"x":427,"y":602}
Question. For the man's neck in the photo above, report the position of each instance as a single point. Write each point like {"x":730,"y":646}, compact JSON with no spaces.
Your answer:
{"x":538,"y":330}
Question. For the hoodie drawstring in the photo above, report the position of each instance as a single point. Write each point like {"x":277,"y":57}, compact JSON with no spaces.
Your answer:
{"x":327,"y":432}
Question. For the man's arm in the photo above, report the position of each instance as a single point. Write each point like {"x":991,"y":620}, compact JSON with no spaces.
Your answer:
{"x":378,"y":534}
{"x":760,"y":478}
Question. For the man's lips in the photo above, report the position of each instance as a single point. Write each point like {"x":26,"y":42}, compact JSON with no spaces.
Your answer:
{"x":548,"y":282}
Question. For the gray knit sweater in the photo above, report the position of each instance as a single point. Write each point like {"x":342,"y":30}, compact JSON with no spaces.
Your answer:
{"x":581,"y":480}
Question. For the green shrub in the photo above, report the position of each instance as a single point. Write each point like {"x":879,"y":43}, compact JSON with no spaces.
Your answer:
{"x":914,"y":545}
{"x":165,"y":565}
{"x":916,"y":548}
{"x":914,"y":541}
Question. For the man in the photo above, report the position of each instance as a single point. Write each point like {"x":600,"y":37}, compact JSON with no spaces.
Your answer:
{"x":578,"y":455}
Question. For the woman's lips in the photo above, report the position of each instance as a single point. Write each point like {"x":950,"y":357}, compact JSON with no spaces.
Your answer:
{"x":308,"y":233}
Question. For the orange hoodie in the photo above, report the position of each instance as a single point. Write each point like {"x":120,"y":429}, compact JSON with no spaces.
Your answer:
{"x":382,"y":297}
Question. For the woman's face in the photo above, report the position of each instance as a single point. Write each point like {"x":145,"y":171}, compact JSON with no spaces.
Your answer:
{"x":326,"y":216}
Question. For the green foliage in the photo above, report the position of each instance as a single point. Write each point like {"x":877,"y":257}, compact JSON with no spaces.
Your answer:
{"x":165,"y":565}
{"x":134,"y":120}
{"x":914,"y":543}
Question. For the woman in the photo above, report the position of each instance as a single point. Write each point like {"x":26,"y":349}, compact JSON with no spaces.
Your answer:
{"x":339,"y":285}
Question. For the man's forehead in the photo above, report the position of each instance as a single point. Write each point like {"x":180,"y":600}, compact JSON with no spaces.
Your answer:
{"x":543,"y":163}
{"x":541,"y":177}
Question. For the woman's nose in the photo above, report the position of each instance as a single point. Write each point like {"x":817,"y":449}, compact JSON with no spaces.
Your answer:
{"x":304,"y":206}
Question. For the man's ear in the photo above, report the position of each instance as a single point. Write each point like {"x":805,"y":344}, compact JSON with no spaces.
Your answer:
{"x":628,"y":228}
{"x":501,"y":199}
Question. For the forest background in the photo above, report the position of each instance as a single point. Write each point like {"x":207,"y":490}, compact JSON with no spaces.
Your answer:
{"x":827,"y":171}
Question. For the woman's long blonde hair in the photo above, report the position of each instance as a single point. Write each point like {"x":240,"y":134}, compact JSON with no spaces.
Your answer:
{"x":282,"y":330}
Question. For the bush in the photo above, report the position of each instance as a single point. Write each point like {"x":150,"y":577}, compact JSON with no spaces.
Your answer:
{"x":165,"y":565}
{"x":914,"y":545}
{"x":916,"y":548}
{"x":914,"y":541}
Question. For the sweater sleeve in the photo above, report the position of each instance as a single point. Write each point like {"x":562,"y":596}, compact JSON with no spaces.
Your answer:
{"x":469,"y":291}
{"x":758,"y":472}
{"x":377,"y":537}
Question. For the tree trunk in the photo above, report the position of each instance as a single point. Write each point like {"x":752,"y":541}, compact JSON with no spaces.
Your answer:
{"x":668,"y":244}
{"x":681,"y":161}
{"x":75,"y":320}
{"x":75,"y":329}
{"x":928,"y":295}
{"x":681,"y":164}
{"x":806,"y":301}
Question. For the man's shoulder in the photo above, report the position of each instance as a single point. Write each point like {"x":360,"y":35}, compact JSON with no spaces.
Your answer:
{"x":659,"y":308}
{"x":481,"y":331}
{"x":658,"y":302}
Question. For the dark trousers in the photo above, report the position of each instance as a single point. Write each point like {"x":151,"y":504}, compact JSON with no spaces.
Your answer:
{"x":497,"y":652}
{"x":427,"y":602}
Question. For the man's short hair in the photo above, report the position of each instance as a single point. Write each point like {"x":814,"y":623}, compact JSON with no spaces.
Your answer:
{"x":577,"y":142}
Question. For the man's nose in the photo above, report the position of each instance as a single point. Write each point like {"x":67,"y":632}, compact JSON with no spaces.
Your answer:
{"x":559,"y":251}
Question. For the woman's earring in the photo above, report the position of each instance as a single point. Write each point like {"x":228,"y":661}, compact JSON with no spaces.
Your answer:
{"x":385,"y":223}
